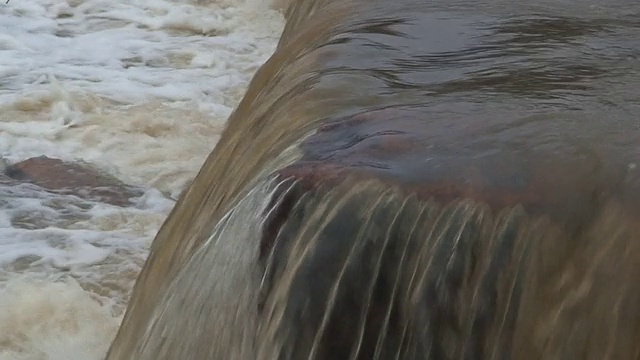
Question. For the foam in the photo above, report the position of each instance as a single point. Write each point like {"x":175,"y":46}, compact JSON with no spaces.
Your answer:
{"x":53,"y":319}
{"x":139,"y":88}
{"x":75,"y":69}
{"x":123,"y":50}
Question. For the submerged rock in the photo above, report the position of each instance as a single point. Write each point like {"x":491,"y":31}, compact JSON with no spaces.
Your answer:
{"x":70,"y":178}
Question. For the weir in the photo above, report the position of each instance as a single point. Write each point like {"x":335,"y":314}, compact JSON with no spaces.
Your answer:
{"x":377,"y":195}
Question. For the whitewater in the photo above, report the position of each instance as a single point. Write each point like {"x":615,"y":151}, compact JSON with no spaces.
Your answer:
{"x":140,"y":89}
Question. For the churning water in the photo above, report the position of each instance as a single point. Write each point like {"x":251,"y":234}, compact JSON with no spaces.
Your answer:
{"x":141,"y":89}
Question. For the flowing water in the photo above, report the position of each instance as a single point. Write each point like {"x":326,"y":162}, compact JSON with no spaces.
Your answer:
{"x":513,"y":128}
{"x":142,"y":90}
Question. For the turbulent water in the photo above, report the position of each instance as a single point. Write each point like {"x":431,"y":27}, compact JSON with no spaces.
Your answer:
{"x":141,"y":89}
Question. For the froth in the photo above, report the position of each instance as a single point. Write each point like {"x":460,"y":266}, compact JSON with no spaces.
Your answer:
{"x":50,"y":320}
{"x":141,"y":89}
{"x":104,"y":81}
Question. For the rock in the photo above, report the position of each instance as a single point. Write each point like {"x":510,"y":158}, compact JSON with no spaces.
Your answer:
{"x":70,"y":178}
{"x":444,"y":161}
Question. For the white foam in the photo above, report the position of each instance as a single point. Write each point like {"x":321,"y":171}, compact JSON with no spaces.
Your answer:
{"x":69,"y":64}
{"x":141,"y":89}
{"x":44,"y":319}
{"x":122,"y":50}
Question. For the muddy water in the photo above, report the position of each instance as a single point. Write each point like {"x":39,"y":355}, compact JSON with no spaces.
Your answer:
{"x":137,"y":89}
{"x":99,"y":81}
{"x":526,"y":111}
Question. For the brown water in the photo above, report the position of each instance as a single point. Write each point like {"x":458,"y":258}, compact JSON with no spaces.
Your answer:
{"x":504,"y":134}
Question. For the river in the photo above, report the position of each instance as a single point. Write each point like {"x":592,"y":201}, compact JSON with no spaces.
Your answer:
{"x":142,"y":89}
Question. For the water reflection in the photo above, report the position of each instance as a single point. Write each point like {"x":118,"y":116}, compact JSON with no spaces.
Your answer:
{"x":439,"y":54}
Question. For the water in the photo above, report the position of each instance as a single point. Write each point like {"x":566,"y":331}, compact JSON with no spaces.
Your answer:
{"x":141,"y":89}
{"x":524,"y":111}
